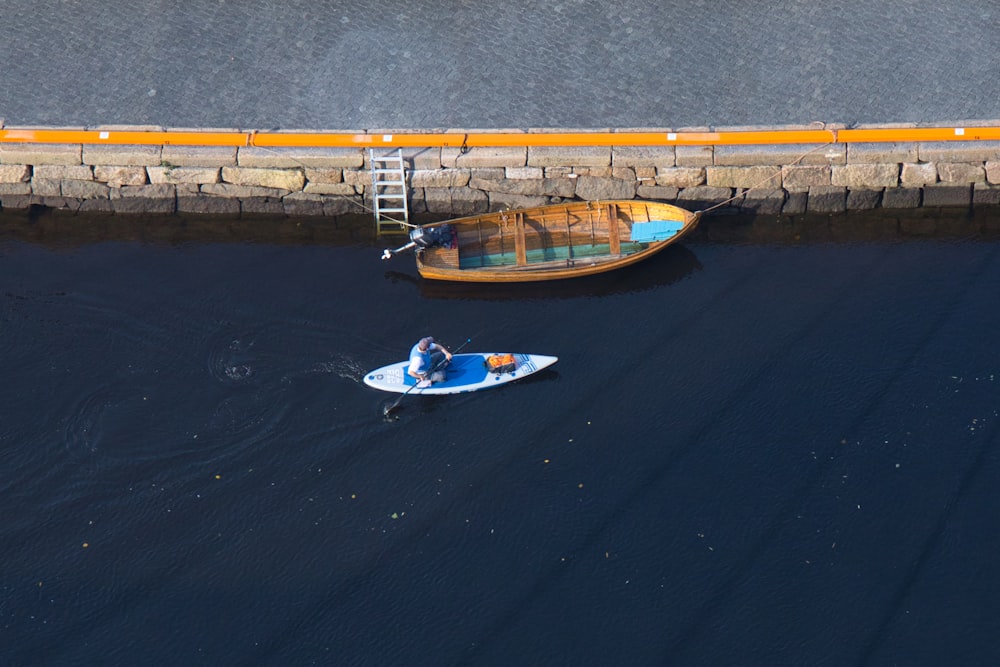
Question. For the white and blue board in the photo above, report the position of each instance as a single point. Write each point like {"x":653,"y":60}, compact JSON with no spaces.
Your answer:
{"x":466,"y":372}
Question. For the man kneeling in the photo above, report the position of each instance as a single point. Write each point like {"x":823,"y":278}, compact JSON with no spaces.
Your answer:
{"x":428,"y":361}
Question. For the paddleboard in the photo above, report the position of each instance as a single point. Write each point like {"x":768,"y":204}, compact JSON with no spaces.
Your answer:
{"x":466,"y":372}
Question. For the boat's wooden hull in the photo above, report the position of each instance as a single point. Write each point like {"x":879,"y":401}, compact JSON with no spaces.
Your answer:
{"x":555,"y":242}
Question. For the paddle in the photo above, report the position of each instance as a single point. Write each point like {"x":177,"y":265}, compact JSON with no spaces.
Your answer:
{"x":438,"y":365}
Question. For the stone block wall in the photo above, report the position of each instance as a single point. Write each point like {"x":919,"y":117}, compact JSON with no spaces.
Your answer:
{"x":247,"y":180}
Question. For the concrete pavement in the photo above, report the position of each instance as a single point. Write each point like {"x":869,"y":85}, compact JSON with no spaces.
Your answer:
{"x":455,"y":64}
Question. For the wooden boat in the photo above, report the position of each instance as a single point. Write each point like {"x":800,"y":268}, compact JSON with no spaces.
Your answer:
{"x":547,"y":242}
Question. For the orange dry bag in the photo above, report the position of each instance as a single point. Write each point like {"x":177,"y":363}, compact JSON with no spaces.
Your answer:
{"x":500,"y":363}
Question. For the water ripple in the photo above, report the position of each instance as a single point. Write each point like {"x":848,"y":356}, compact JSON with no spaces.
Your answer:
{"x":231,"y":356}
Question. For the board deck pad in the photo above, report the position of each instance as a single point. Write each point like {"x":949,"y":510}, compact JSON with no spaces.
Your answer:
{"x":467,"y":372}
{"x":461,"y":370}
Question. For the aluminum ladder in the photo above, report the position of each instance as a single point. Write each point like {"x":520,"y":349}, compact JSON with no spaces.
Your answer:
{"x":389,"y":192}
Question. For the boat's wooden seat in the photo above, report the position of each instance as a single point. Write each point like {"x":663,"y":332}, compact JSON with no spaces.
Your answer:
{"x":520,"y":247}
{"x":614,"y":241}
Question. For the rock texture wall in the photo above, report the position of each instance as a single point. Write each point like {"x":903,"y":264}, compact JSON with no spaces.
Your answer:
{"x":780,"y":179}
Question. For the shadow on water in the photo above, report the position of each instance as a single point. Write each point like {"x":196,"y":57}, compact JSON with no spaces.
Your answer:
{"x":674,"y":264}
{"x":66,"y":229}
{"x":415,"y":404}
{"x":872,"y":226}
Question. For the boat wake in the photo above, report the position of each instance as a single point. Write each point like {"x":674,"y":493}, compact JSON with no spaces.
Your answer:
{"x":342,"y":367}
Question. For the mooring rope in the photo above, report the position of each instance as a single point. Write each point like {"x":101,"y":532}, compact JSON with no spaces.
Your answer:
{"x":769,"y":178}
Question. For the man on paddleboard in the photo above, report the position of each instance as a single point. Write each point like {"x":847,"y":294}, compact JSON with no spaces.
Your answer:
{"x":428,"y":361}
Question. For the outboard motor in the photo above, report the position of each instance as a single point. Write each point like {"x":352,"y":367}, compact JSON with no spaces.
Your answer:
{"x":426,"y":237}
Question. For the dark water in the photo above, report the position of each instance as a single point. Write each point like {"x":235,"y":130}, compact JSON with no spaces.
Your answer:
{"x":775,"y":444}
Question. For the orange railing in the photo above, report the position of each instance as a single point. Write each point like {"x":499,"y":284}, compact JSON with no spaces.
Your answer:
{"x":501,"y":138}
